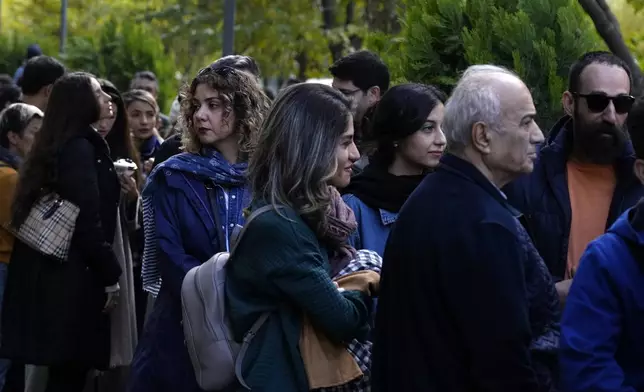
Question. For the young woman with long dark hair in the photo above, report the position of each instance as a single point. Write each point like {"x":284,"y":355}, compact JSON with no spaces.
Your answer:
{"x":57,"y":313}
{"x":284,"y":263}
{"x":116,"y":131}
{"x":409,"y":141}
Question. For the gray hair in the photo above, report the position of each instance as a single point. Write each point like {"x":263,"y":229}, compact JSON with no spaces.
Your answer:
{"x":474,"y":99}
{"x":15,"y":118}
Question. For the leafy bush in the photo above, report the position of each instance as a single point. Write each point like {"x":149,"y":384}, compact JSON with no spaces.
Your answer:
{"x":13,"y":48}
{"x":119,"y":51}
{"x":538,"y":39}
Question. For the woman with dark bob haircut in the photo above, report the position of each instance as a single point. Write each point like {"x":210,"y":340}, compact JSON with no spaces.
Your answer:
{"x":410,"y":142}
{"x":284,"y":264}
{"x":57,"y":314}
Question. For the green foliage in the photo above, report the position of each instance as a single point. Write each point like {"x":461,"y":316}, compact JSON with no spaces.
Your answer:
{"x":636,"y":4}
{"x":388,"y":48}
{"x":118,"y":51}
{"x":13,"y":48}
{"x":285,"y":36}
{"x":630,"y":16}
{"x":538,"y":39}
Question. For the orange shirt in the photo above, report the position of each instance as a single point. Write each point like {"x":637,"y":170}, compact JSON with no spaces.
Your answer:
{"x":591,"y":190}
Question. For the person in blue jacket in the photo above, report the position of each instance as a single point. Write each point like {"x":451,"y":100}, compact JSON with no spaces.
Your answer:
{"x":410,"y":141}
{"x":191,"y":203}
{"x":602,"y":343}
{"x":583,"y":178}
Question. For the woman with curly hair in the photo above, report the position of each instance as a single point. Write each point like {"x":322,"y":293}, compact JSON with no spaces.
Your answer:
{"x":191,"y":204}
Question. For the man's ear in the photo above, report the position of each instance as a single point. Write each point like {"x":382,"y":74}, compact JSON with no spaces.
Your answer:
{"x":481,"y":137}
{"x":568,"y":103}
{"x":374,"y":95}
{"x":638,"y":169}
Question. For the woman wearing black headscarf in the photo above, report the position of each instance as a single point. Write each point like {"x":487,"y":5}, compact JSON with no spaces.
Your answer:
{"x":407,"y":130}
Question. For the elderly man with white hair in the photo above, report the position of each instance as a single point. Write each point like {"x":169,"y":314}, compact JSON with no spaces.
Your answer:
{"x":466,"y":303}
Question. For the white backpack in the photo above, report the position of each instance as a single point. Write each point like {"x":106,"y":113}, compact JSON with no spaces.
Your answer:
{"x":216,"y":357}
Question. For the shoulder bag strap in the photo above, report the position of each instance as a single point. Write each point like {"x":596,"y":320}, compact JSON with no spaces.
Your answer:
{"x":214,"y":208}
{"x":236,"y":237}
{"x":250,"y":335}
{"x":248,"y":338}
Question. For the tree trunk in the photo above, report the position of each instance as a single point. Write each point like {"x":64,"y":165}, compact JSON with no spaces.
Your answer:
{"x":330,"y":23}
{"x":608,"y":28}
{"x":354,"y":39}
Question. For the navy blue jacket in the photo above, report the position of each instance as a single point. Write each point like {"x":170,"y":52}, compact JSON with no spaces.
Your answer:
{"x":465,"y":302}
{"x":544,"y":200}
{"x":602,"y":340}
{"x":187,"y":237}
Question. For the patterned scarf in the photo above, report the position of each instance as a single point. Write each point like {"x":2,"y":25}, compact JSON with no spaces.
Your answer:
{"x":341,"y":223}
{"x":210,"y":165}
{"x":10,"y":158}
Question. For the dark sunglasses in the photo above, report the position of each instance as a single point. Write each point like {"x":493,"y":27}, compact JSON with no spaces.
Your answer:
{"x":597,"y":102}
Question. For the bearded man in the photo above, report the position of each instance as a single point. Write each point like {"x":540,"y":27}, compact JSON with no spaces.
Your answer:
{"x":583,"y":179}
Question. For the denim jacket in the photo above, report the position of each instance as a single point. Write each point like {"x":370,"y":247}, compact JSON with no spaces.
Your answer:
{"x":374,"y":225}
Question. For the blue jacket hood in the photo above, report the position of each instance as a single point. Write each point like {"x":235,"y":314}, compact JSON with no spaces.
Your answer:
{"x":630,"y":225}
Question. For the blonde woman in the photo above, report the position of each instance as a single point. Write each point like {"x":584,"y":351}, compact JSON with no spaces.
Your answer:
{"x":142,"y":112}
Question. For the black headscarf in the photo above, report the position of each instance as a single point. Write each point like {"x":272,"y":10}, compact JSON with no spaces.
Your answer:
{"x":379,"y":189}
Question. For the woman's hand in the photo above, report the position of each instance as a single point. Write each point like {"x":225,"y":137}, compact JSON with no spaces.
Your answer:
{"x":113,"y":293}
{"x":148,"y":165}
{"x":129,"y":187}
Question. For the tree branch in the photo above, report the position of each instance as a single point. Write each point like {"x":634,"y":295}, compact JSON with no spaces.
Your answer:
{"x":608,"y":28}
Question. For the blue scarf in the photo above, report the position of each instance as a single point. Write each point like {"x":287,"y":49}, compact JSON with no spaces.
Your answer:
{"x":10,"y":158}
{"x":149,"y":147}
{"x":210,"y":165}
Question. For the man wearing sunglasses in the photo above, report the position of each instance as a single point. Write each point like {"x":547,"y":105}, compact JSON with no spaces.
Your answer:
{"x":583,"y":180}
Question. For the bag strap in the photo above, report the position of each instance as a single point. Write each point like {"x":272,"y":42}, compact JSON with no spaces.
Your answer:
{"x":237,"y":235}
{"x":248,"y":338}
{"x":212,"y":198}
{"x":250,"y":335}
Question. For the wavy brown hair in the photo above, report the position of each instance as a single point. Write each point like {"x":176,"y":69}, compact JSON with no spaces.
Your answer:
{"x":71,"y":110}
{"x":240,"y":94}
{"x":295,"y":155}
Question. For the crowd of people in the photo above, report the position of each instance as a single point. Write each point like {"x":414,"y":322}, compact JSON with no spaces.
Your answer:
{"x":504,"y":260}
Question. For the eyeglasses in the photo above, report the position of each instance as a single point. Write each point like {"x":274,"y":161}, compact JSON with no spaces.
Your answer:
{"x":597,"y":102}
{"x":349,"y":93}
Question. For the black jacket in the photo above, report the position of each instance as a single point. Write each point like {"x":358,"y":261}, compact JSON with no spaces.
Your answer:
{"x":459,"y":290}
{"x":544,"y":199}
{"x":53,"y":312}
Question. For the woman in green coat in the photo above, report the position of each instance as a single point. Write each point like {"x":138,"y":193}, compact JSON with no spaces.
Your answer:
{"x":284,"y":261}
